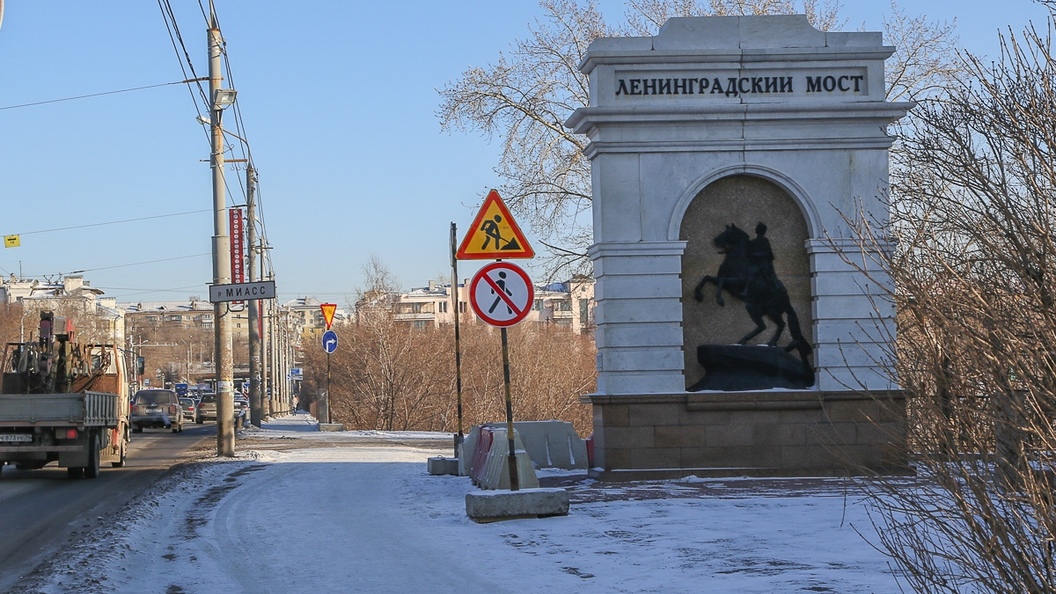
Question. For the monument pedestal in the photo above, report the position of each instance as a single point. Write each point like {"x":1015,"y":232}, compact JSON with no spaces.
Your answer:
{"x":764,"y":433}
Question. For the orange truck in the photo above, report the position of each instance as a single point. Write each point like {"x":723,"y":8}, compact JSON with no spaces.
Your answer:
{"x":63,"y":402}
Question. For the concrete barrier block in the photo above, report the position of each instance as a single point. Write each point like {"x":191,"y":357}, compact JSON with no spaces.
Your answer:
{"x":496,"y":471}
{"x":494,"y":506}
{"x":467,"y":450}
{"x":550,"y":444}
{"x":438,"y":465}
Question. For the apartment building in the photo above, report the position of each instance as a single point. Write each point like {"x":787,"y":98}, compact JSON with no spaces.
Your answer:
{"x":156,"y":316}
{"x":95,"y":318}
{"x":305,"y":316}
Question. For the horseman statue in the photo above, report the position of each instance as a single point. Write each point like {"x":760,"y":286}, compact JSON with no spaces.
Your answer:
{"x":747,"y":274}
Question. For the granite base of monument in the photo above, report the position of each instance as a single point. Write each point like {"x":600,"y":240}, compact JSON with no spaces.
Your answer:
{"x":751,"y":433}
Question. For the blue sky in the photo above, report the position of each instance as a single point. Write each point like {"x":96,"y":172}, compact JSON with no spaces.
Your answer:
{"x":339,"y":102}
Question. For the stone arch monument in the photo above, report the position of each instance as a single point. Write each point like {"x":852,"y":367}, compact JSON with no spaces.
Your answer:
{"x":727,"y":155}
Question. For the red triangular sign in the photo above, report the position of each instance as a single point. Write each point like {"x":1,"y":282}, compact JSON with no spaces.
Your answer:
{"x":494,"y":235}
{"x":328,"y":313}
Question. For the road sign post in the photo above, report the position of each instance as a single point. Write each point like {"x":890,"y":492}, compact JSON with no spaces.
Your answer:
{"x":329,"y":345}
{"x":501,"y":293}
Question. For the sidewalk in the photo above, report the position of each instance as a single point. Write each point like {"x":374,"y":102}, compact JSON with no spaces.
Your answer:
{"x":299,"y":510}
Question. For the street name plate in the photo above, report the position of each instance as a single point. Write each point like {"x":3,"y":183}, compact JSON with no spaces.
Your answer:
{"x":241,"y":291}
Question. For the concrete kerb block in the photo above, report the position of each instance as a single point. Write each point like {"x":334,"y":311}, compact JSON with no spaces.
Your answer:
{"x":495,"y":506}
{"x":439,"y":465}
{"x":331,"y":427}
{"x":495,"y":473}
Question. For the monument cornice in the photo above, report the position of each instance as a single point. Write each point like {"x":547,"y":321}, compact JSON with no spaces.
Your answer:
{"x":585,"y":118}
{"x":733,"y":58}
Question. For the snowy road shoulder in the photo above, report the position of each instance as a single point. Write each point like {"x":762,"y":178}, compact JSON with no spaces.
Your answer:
{"x":319,"y":515}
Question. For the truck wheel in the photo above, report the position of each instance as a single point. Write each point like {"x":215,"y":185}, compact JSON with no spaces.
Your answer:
{"x":92,"y":470}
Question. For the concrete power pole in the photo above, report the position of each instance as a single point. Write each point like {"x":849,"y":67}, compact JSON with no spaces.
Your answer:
{"x":256,"y":412}
{"x":265,"y":356}
{"x":225,"y":384}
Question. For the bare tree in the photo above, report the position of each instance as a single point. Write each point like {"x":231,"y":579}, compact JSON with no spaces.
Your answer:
{"x":395,"y":376}
{"x":12,"y":322}
{"x":974,"y":218}
{"x":525,"y":98}
{"x":527,"y":94}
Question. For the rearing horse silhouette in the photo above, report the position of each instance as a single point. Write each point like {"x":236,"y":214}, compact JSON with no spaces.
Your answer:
{"x":747,"y":273}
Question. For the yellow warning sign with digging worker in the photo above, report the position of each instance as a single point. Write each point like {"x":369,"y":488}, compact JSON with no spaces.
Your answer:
{"x":494,"y":235}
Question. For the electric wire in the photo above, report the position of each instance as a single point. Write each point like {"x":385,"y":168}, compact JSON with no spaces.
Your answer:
{"x":211,"y":19}
{"x":100,"y":94}
{"x":87,"y":225}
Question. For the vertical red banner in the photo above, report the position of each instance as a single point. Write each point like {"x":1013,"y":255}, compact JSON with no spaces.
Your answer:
{"x":238,"y":270}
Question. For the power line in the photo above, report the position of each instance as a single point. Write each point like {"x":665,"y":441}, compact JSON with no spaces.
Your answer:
{"x":138,"y":263}
{"x":144,"y":263}
{"x":175,"y":214}
{"x":35,"y":103}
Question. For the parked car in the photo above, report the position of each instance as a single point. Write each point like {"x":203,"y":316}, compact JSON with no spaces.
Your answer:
{"x":156,"y":408}
{"x":190,"y":408}
{"x":206,"y":408}
{"x":241,"y":410}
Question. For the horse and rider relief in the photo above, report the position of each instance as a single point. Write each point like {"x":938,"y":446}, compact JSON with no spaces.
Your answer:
{"x":747,"y":274}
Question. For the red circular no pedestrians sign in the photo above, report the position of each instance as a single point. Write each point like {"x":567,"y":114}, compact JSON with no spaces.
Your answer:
{"x":501,"y":294}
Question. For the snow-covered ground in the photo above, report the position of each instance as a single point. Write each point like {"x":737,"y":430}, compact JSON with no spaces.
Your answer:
{"x":325,"y":512}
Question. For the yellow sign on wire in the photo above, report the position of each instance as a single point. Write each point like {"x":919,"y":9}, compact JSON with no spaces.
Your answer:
{"x":12,"y":241}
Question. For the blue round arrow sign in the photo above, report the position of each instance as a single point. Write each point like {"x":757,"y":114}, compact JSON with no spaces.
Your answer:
{"x":329,"y":341}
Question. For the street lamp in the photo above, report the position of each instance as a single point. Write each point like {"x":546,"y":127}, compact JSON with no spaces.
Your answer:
{"x":223,"y":98}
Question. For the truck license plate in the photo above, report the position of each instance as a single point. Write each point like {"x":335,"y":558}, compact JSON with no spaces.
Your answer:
{"x":15,"y":437}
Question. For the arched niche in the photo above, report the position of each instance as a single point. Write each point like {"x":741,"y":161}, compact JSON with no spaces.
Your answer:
{"x":743,"y":200}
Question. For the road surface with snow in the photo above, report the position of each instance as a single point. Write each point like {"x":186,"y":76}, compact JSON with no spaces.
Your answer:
{"x":298,"y":510}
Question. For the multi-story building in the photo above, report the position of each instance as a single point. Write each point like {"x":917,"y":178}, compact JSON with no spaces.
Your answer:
{"x":568,"y":305}
{"x":306,"y":317}
{"x":96,"y":319}
{"x":156,"y":316}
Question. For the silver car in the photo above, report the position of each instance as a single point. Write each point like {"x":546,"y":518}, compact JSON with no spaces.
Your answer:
{"x":156,"y":408}
{"x":206,"y":408}
{"x":189,"y":408}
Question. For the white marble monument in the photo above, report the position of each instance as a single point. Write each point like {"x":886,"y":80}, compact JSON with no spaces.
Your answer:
{"x":722,"y":121}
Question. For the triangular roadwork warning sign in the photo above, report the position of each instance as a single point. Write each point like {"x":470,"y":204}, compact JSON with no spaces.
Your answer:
{"x":494,"y":234}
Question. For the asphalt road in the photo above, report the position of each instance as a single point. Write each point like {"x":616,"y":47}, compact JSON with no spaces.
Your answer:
{"x":42,"y":511}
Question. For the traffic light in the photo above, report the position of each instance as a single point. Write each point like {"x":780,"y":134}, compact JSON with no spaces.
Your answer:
{"x":141,"y":364}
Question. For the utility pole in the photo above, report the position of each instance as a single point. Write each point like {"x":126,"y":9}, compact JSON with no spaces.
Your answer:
{"x":225,"y":384}
{"x":265,"y":356}
{"x":256,"y":414}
